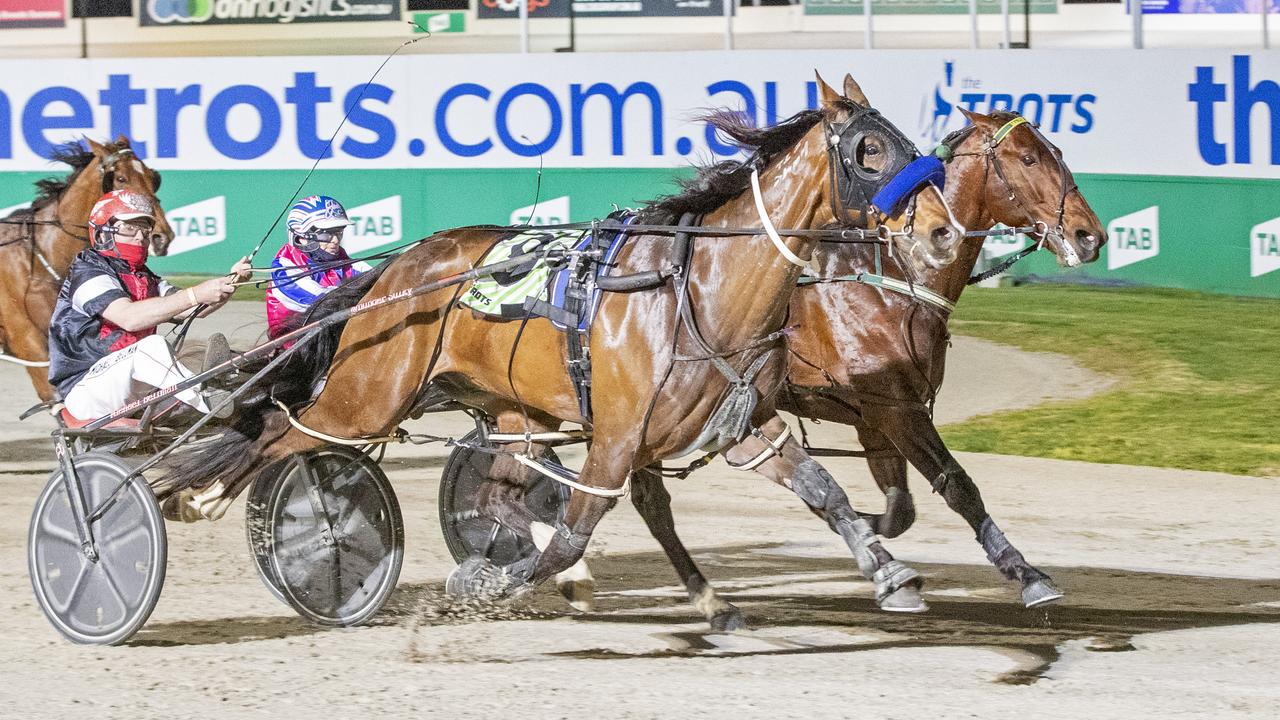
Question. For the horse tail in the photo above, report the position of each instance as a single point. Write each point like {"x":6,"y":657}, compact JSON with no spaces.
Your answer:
{"x":233,"y":456}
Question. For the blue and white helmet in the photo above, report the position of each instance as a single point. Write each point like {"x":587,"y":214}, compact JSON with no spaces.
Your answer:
{"x":316,"y":212}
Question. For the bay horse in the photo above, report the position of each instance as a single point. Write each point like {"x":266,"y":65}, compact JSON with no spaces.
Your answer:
{"x":663,"y":359}
{"x":873,"y":358}
{"x":38,"y":243}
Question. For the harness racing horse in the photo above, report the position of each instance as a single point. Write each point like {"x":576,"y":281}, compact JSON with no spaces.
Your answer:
{"x":664,"y":360}
{"x":873,"y":358}
{"x":37,"y":244}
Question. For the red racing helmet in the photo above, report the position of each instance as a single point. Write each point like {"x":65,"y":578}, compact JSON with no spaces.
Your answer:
{"x":117,"y":205}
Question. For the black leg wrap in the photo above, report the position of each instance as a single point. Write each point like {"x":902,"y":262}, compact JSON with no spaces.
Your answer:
{"x":960,"y":493}
{"x":1007,"y":559}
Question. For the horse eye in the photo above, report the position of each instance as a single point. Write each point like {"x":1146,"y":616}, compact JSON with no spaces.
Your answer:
{"x":1028,"y":160}
{"x":121,"y":180}
{"x":872,"y":150}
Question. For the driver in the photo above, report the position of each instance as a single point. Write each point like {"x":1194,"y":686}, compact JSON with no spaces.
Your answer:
{"x":103,"y":350}
{"x":310,"y":264}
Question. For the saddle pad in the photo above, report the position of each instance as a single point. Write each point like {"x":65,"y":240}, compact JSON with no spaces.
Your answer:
{"x":504,"y":294}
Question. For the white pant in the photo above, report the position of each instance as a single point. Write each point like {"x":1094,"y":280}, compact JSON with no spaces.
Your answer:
{"x":128,"y":375}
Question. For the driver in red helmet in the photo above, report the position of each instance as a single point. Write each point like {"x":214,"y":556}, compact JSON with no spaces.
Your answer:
{"x":103,"y":350}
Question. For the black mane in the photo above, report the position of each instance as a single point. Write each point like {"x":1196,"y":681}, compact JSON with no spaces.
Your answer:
{"x":75,"y":154}
{"x":716,"y":184}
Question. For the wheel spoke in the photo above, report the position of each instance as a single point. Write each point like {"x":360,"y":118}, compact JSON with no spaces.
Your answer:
{"x":76,"y":587}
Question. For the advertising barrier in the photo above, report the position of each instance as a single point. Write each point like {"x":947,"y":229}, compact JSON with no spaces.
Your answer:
{"x":1178,"y":151}
{"x":924,"y":7}
{"x":240,"y":12}
{"x":508,"y":9}
{"x":32,"y":13}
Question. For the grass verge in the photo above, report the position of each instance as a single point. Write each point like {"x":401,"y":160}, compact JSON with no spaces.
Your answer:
{"x":1198,"y":377}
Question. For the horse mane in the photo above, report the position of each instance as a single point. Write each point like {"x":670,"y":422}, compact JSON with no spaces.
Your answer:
{"x":716,"y":184}
{"x":75,"y":154}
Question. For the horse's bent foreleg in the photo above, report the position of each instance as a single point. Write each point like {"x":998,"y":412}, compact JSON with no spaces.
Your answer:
{"x":653,"y":502}
{"x":897,"y":586}
{"x":889,"y":469}
{"x":606,"y":468}
{"x":913,"y":432}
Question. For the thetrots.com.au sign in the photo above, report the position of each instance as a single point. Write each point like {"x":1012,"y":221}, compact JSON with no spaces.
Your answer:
{"x":232,"y":12}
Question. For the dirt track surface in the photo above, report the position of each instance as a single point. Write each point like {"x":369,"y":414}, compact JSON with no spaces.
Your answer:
{"x":1172,"y":608}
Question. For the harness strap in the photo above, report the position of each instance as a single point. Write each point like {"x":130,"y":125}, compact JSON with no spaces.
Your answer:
{"x":352,"y":442}
{"x":563,"y":480}
{"x":914,"y":290}
{"x":5,"y":356}
{"x":769,"y":229}
{"x":772,"y":449}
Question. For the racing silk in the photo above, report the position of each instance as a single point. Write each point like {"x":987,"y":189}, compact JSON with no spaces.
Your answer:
{"x":78,"y":334}
{"x":293,"y":291}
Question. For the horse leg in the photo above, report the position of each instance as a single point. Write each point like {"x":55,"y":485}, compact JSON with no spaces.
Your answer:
{"x":606,"y":468}
{"x":24,"y":339}
{"x":911,"y":430}
{"x":502,"y":496}
{"x":653,"y":502}
{"x":897,"y":586}
{"x":889,"y":469}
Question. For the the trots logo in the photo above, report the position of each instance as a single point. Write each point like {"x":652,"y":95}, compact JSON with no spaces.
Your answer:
{"x":1133,"y":238}
{"x":1056,"y":111}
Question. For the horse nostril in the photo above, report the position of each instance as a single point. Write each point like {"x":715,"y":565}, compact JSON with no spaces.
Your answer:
{"x":942,"y":235}
{"x":1087,"y":241}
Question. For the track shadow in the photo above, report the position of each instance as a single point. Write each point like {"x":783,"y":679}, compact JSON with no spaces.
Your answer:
{"x":223,"y":631}
{"x":37,"y":451}
{"x":1104,"y":608}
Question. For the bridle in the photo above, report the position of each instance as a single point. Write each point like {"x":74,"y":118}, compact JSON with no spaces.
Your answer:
{"x":1036,"y":227}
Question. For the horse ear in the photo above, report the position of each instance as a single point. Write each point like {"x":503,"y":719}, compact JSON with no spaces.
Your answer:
{"x":971,"y":115}
{"x":122,"y":141}
{"x":827,"y":96}
{"x":96,"y":148}
{"x":853,"y":91}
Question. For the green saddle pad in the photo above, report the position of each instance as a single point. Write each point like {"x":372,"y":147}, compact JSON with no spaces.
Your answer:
{"x":503,"y":294}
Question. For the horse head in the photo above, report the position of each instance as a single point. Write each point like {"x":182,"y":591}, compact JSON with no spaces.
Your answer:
{"x":1027,"y":184}
{"x":880,"y":178}
{"x":119,"y":168}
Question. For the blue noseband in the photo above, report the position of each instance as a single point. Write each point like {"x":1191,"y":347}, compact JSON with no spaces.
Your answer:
{"x":925,"y":169}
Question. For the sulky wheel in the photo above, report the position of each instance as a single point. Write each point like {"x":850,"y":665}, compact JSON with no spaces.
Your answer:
{"x":102,"y":596}
{"x":326,"y":534}
{"x":470,"y":533}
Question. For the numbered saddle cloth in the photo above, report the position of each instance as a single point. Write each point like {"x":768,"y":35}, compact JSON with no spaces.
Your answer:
{"x":540,"y":289}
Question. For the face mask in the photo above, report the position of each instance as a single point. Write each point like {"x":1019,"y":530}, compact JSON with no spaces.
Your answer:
{"x":135,"y":255}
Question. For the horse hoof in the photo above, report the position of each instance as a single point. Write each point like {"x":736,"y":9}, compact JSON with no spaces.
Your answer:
{"x":898,"y":588}
{"x":904,"y":600}
{"x":479,"y":579}
{"x":728,"y":620}
{"x":1040,"y":592}
{"x":578,"y":587}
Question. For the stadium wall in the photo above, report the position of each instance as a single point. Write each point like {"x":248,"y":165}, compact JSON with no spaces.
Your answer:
{"x":1178,"y":151}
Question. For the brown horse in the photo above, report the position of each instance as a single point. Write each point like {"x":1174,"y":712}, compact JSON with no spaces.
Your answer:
{"x":37,"y":244}
{"x":873,"y":358}
{"x":660,"y":371}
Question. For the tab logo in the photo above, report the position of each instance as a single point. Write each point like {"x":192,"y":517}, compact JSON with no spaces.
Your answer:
{"x":549,"y":212}
{"x":1133,"y":238}
{"x":373,"y":225}
{"x":198,"y":225}
{"x":1264,"y":248}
